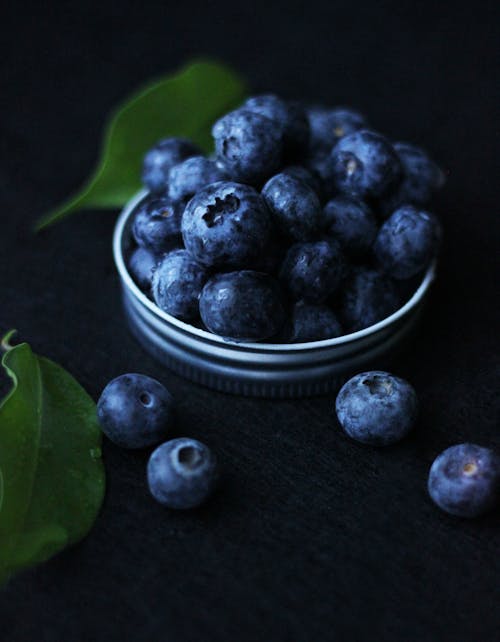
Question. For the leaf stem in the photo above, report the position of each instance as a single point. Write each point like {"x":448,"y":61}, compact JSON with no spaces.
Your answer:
{"x":5,"y":344}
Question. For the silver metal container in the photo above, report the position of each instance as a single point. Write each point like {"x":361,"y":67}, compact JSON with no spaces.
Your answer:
{"x":257,"y":369}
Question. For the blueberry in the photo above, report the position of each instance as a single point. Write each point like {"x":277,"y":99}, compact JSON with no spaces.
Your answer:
{"x":177,"y":284}
{"x":290,"y":117}
{"x":307,"y":176}
{"x":421,"y":179}
{"x":294,"y":205}
{"x":182,"y":473}
{"x":406,"y":242}
{"x":322,"y":167}
{"x":352,"y":223}
{"x":365,"y":164}
{"x":464,"y":480}
{"x":190,"y":176}
{"x":328,"y":126}
{"x":249,"y":145}
{"x":157,"y":225}
{"x":377,"y":408}
{"x":135,"y":411}
{"x":160,"y":158}
{"x":366,"y":298}
{"x":312,"y":322}
{"x":313,"y":271}
{"x":244,"y":306}
{"x":141,"y":265}
{"x":226,"y":224}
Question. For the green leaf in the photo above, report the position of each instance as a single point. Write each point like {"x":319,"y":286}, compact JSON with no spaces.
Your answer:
{"x":185,"y":104}
{"x":52,"y":474}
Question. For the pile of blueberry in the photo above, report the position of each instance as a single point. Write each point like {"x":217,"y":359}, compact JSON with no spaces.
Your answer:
{"x":304,"y":225}
{"x":136,"y":411}
{"x":374,"y":408}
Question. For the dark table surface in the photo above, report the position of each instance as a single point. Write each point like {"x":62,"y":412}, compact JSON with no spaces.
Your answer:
{"x":311,"y":536}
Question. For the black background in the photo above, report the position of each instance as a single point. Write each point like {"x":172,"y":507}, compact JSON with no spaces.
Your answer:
{"x":311,"y":536}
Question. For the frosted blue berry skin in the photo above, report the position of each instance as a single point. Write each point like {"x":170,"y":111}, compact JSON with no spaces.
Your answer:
{"x":182,"y":473}
{"x":313,"y":271}
{"x":328,"y":126}
{"x":377,"y":408}
{"x":312,"y":322}
{"x":190,"y":176}
{"x":352,"y":223}
{"x":244,"y":306}
{"x":365,"y":164}
{"x":407,"y":242}
{"x":141,"y":265}
{"x":309,"y":177}
{"x":422,"y":177}
{"x":289,"y":116}
{"x":464,"y":480}
{"x":295,"y":207}
{"x":160,"y":158}
{"x":177,"y":283}
{"x":249,"y":145}
{"x":367,"y":296}
{"x":226,"y":224}
{"x":322,"y":167}
{"x":157,"y":225}
{"x":135,"y":411}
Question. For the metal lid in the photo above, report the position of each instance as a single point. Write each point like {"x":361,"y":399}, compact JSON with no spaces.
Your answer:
{"x":257,"y":369}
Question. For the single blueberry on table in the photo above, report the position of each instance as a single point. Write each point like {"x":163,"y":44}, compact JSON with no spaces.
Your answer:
{"x":294,"y":205}
{"x":190,"y":176}
{"x":249,"y":145}
{"x":135,"y":411}
{"x":329,"y":125}
{"x":226,"y":225}
{"x":244,"y":306}
{"x":157,"y":225}
{"x":182,"y":473}
{"x":365,"y":164}
{"x":464,"y":480}
{"x":290,"y":117}
{"x":421,"y":179}
{"x":177,"y":284}
{"x":312,"y":322}
{"x":377,"y":408}
{"x":160,"y":158}
{"x":367,"y":297}
{"x":352,"y":223}
{"x":141,"y":265}
{"x":313,"y":271}
{"x":407,"y":242}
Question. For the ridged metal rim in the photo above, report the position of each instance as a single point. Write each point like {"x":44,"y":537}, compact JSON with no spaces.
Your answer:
{"x":311,"y":346}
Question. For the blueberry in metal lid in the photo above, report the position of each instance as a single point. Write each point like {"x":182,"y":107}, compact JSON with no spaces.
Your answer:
{"x":249,"y":144}
{"x":244,"y":306}
{"x":160,"y":158}
{"x":157,"y":224}
{"x":365,"y":164}
{"x":295,"y":207}
{"x":313,"y":271}
{"x":226,"y":224}
{"x":177,"y":284}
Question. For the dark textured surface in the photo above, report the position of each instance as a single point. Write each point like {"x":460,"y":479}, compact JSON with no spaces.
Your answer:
{"x":311,"y":537}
